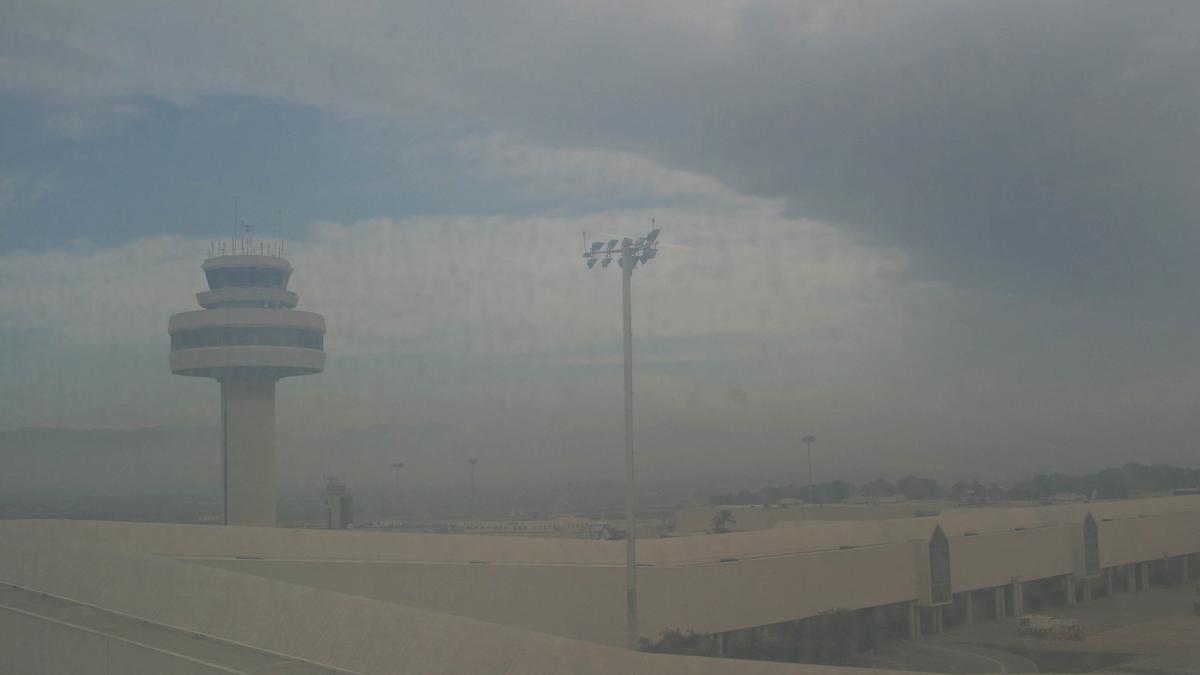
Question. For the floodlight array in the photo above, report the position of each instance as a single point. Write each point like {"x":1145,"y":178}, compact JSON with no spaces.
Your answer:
{"x":642,"y":250}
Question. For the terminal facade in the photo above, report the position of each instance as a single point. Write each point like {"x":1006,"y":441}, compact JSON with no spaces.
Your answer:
{"x":915,"y":576}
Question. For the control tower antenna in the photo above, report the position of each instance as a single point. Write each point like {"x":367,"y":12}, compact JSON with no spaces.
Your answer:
{"x":247,"y":337}
{"x":246,"y":241}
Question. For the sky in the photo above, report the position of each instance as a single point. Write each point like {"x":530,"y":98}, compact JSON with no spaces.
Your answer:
{"x":950,"y":238}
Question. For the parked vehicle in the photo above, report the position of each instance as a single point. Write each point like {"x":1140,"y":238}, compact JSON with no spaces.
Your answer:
{"x":1039,"y":625}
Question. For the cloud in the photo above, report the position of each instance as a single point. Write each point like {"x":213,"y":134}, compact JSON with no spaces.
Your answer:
{"x":88,"y":122}
{"x":502,"y":285}
{"x":931,"y":226}
{"x":590,"y":176}
{"x":1040,"y":147}
{"x":19,"y":189}
{"x":479,"y":296}
{"x":95,"y":298}
{"x":493,"y":326}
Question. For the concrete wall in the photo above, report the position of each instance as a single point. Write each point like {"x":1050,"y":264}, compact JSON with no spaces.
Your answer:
{"x":574,"y":588}
{"x":994,"y":559}
{"x":717,"y":597}
{"x":792,"y":538}
{"x":748,"y":518}
{"x":587,"y":602}
{"x":1134,"y":539}
{"x":248,"y":452}
{"x":173,"y":540}
{"x":355,"y":634}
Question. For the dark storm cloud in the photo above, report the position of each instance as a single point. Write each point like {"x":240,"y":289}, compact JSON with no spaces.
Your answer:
{"x":1047,"y":146}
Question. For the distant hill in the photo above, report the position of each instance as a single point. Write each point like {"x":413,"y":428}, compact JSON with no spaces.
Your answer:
{"x":45,"y":461}
{"x":104,"y":462}
{"x":154,"y":459}
{"x":364,"y":455}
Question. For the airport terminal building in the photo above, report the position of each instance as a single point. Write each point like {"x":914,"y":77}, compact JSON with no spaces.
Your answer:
{"x":382,"y":602}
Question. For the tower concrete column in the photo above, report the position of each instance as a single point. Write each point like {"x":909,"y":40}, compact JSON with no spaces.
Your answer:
{"x":1018,"y":593}
{"x":1087,"y":590}
{"x":1131,"y":577}
{"x":914,"y":621}
{"x":969,"y":607}
{"x":1070,"y":580}
{"x":1144,"y":576}
{"x":998,"y":593}
{"x":248,"y":451}
{"x":1108,"y":581}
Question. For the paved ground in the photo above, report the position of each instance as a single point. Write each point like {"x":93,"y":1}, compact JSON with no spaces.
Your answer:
{"x":1168,"y":645}
{"x":224,"y":655}
{"x":933,"y":657}
{"x":1153,"y":632}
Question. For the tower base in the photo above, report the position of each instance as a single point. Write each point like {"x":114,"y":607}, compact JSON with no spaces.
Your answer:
{"x":248,"y":451}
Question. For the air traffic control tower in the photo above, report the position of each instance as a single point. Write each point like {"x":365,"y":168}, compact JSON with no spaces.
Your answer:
{"x":248,"y":336}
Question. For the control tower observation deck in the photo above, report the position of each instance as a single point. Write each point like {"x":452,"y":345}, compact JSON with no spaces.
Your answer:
{"x":248,"y":336}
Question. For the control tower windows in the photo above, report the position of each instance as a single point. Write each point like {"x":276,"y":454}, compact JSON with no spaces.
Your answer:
{"x":262,"y":277}
{"x":229,"y":336}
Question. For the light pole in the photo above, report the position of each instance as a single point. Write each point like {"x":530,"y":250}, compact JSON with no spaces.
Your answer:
{"x":396,"y":466}
{"x":809,"y":440}
{"x":632,"y":252}
{"x":471,"y":462}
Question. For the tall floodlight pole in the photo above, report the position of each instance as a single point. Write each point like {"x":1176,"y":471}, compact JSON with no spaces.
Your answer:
{"x":471,"y":463}
{"x":632,"y":252}
{"x":396,"y":466}
{"x":809,"y":440}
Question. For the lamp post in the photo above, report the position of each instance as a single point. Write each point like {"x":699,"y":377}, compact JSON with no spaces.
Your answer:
{"x":471,"y":462}
{"x":396,"y":466}
{"x":632,"y":251}
{"x":809,"y":440}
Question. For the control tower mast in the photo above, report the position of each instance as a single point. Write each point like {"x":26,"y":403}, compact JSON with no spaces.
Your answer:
{"x":248,"y":336}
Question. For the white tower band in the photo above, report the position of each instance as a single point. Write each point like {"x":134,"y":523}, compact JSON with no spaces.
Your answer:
{"x":248,"y":336}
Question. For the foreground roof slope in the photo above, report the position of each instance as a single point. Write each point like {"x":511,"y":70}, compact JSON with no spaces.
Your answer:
{"x":66,"y":561}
